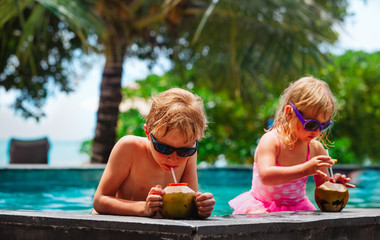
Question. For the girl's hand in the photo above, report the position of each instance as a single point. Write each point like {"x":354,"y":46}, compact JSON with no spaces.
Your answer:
{"x":339,"y":178}
{"x":317,"y":164}
{"x":205,"y":204}
{"x":153,"y":201}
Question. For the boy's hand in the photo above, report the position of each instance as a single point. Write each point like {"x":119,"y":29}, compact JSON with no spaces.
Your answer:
{"x":339,"y":178}
{"x":205,"y":204}
{"x":153,"y":201}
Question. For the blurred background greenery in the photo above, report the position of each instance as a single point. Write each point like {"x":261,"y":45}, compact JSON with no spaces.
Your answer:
{"x":235,"y":125}
{"x":237,"y":55}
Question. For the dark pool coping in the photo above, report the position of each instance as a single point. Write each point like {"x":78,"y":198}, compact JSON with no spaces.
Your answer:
{"x":348,"y":224}
{"x":350,"y":167}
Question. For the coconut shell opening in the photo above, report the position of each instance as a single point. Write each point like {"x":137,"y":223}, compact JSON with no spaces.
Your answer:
{"x":329,"y":186}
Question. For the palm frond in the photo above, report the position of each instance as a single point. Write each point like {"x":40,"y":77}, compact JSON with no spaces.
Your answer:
{"x":77,"y":15}
{"x":9,"y":9}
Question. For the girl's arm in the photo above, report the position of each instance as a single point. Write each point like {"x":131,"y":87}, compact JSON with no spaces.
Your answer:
{"x":320,"y":151}
{"x":270,"y":174}
{"x":319,"y":179}
{"x":337,"y":178}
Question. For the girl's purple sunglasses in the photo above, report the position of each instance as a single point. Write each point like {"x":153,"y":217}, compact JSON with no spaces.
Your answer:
{"x":311,"y":124}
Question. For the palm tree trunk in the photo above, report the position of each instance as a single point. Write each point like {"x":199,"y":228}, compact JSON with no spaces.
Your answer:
{"x":108,"y":111}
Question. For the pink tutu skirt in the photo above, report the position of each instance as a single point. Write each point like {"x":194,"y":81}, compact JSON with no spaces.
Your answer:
{"x":246,"y":203}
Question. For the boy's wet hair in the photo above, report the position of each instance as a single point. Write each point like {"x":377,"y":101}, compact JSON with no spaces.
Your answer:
{"x":305,"y":93}
{"x":180,"y":110}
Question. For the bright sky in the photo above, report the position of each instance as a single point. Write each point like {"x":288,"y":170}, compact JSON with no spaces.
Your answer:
{"x":361,"y":31}
{"x":68,"y":117}
{"x":73,"y":117}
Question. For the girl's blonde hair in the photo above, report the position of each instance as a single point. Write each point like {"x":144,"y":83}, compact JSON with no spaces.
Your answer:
{"x":305,"y":93}
{"x":177,"y":109}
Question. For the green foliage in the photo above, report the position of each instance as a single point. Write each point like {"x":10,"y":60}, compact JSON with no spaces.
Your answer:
{"x":130,"y":123}
{"x":342,"y":150}
{"x":245,"y":45}
{"x":234,"y":131}
{"x":238,"y":59}
{"x":354,"y":79}
{"x":86,"y":147}
{"x":37,"y":49}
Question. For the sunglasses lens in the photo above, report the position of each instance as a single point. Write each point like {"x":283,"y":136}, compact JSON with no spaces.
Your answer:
{"x":167,"y":150}
{"x":186,"y":152}
{"x":311,"y":125}
{"x":162,"y":148}
{"x":327,"y":126}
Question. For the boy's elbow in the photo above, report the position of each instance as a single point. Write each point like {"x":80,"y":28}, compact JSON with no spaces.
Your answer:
{"x":97,"y":205}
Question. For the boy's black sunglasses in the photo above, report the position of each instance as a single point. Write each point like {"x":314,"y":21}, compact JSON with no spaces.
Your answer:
{"x":167,"y":150}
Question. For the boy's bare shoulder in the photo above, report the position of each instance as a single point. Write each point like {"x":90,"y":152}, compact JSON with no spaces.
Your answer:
{"x":131,"y":141}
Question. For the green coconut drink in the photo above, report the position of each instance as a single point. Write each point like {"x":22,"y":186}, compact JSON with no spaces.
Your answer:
{"x":331,"y":197}
{"x":178,"y":201}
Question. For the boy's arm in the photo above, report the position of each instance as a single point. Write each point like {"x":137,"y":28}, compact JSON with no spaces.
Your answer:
{"x":116,"y":171}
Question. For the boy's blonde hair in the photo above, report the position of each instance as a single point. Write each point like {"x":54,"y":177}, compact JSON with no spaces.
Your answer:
{"x":307,"y":92}
{"x":177,"y":109}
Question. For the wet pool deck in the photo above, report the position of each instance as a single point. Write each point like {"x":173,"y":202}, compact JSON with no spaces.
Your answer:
{"x":348,"y":224}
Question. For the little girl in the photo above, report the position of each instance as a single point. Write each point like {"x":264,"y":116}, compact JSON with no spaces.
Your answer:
{"x":289,"y":152}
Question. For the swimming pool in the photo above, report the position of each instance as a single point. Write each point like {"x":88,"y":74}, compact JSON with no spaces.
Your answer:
{"x":65,"y":189}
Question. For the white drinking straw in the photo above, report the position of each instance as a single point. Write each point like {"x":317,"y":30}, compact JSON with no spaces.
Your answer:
{"x":175,"y":180}
{"x":330,"y":168}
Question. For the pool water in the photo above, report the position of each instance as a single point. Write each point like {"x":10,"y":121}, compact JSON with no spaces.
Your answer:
{"x":367,"y":193}
{"x":73,"y":189}
{"x":48,"y":190}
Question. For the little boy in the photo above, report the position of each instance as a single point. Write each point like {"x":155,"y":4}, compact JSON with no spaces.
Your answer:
{"x":138,"y":167}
